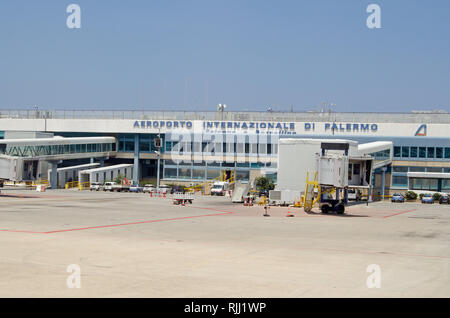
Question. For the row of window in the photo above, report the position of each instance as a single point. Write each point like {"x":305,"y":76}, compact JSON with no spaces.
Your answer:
{"x":188,"y":173}
{"x":422,"y":152}
{"x":248,"y":165}
{"x":424,"y":184}
{"x":33,"y":151}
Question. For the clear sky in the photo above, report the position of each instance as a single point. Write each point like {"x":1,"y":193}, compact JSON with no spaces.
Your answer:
{"x":248,"y":54}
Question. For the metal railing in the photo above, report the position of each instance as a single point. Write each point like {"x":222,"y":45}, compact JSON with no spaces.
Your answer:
{"x":228,"y":115}
{"x":84,"y":185}
{"x":71,"y":184}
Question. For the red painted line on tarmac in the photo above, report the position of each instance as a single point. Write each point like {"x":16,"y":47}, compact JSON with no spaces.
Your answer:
{"x":402,"y":212}
{"x":222,"y":212}
{"x":135,"y":223}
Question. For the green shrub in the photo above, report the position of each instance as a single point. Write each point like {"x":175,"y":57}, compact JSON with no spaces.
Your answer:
{"x":436,"y":196}
{"x":264,"y":183}
{"x":411,"y":195}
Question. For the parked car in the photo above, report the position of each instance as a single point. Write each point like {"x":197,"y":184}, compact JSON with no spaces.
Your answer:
{"x":148,"y":188}
{"x":428,"y":198}
{"x":164,"y":188}
{"x":353,"y":194}
{"x":95,"y":186}
{"x":177,"y":189}
{"x":263,"y":193}
{"x":444,"y":199}
{"x":136,"y":188}
{"x":109,"y":186}
{"x":398,"y":197}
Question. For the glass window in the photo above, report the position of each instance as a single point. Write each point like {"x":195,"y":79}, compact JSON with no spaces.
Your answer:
{"x":144,"y":145}
{"x":400,"y":169}
{"x":400,"y":181}
{"x":129,"y":145}
{"x":446,"y":184}
{"x":184,"y":173}
{"x":242,"y":175}
{"x":422,"y":152}
{"x":212,"y":174}
{"x":72,"y":149}
{"x":89,"y":147}
{"x":439,"y":152}
{"x":447,"y":153}
{"x":121,"y":145}
{"x":397,"y":152}
{"x":434,"y":169}
{"x":198,"y":174}
{"x":423,"y":184}
{"x":413,"y":152}
{"x":430,"y":152}
{"x":417,"y":169}
{"x":405,"y":152}
{"x":170,"y":173}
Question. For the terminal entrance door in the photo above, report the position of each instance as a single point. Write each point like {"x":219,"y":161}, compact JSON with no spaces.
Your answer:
{"x":227,"y":175}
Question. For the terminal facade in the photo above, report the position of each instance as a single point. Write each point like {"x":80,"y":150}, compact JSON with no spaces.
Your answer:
{"x":200,"y":146}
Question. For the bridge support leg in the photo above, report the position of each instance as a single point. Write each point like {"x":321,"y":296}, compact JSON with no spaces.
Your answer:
{"x":136,"y":160}
{"x":383,"y":181}
{"x":54,"y":174}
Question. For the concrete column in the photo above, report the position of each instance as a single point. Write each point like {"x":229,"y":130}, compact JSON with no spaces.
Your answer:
{"x":383,"y":181}
{"x":136,"y":159}
{"x":54,"y":174}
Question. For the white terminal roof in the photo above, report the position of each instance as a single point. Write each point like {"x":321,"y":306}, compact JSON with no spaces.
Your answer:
{"x":87,"y":165}
{"x":372,"y":147}
{"x":101,"y":169}
{"x":57,"y":141}
{"x":437,"y":175}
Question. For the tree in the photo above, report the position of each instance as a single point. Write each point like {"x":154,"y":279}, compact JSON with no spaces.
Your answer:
{"x":119,"y":178}
{"x":264,"y":183}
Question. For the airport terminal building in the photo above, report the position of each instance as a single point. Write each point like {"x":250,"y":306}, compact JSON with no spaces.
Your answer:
{"x":200,"y":146}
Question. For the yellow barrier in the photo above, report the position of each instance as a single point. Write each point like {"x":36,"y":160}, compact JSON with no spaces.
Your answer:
{"x":84,"y":185}
{"x":71,"y":184}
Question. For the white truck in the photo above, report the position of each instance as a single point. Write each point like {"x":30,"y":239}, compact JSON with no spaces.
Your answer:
{"x":220,"y":188}
{"x":114,"y":186}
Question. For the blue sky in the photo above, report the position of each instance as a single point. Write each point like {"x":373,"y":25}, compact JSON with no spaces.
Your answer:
{"x":248,"y":54}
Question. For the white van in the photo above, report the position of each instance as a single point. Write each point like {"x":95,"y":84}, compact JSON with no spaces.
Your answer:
{"x":220,"y":188}
{"x":110,"y":186}
{"x":95,"y":186}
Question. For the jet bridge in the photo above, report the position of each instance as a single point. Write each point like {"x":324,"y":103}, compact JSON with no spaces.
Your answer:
{"x":299,"y":157}
{"x":21,"y":159}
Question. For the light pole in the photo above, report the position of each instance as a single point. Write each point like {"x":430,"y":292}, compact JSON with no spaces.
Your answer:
{"x":221,"y":108}
{"x":158,"y":153}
